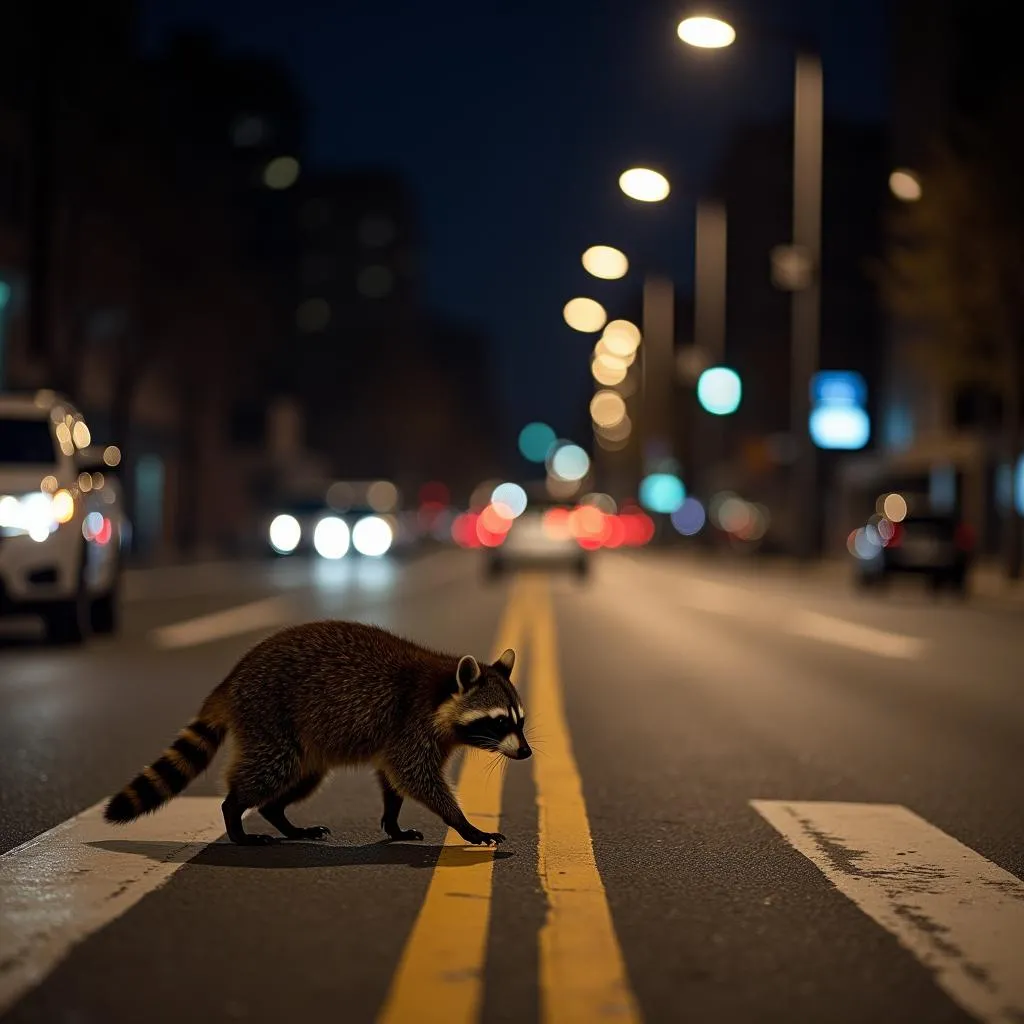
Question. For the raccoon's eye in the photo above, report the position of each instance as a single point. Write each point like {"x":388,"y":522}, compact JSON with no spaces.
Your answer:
{"x":502,"y":721}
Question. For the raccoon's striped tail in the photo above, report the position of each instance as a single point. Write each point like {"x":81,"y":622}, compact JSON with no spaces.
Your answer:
{"x":184,"y":760}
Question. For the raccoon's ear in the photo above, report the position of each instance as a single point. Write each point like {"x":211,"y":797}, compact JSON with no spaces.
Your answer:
{"x":467,"y":673}
{"x":506,"y":663}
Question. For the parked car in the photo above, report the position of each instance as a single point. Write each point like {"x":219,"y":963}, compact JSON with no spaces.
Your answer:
{"x":62,"y":522}
{"x":936,"y":547}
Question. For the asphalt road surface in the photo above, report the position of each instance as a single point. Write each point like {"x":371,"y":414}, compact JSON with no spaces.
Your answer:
{"x":754,"y":798}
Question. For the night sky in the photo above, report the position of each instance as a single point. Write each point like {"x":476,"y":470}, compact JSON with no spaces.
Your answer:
{"x":512,"y":126}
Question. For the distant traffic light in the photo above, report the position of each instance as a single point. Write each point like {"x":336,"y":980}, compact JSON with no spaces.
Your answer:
{"x":719,"y":390}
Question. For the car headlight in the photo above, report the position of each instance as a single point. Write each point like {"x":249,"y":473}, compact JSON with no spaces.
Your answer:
{"x":284,"y":534}
{"x":372,"y":536}
{"x":37,"y":514}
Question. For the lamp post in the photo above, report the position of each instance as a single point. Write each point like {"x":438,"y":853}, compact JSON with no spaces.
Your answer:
{"x":656,"y":366}
{"x":804,"y":259}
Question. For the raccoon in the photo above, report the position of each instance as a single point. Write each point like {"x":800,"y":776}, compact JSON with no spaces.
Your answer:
{"x":321,"y":695}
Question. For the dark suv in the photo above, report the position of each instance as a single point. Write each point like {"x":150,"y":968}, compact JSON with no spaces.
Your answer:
{"x":936,"y":547}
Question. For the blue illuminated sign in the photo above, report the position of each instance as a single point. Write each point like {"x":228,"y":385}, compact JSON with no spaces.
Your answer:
{"x":838,"y":419}
{"x":838,"y":387}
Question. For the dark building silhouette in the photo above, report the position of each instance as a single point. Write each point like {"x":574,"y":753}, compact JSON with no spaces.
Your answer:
{"x":754,"y":180}
{"x":951,"y":80}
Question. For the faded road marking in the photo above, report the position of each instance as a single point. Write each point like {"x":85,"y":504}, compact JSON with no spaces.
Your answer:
{"x":59,"y":888}
{"x":440,"y":976}
{"x":853,"y":635}
{"x":244,"y":618}
{"x":582,"y":972}
{"x":958,"y":913}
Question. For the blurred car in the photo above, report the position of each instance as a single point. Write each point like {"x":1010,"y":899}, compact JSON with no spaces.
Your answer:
{"x":935,"y":547}
{"x":307,"y":526}
{"x":539,"y":539}
{"x":62,"y":522}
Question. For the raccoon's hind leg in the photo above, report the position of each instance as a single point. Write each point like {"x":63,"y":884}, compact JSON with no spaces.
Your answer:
{"x":274,"y":811}
{"x":392,"y":805}
{"x":256,"y":779}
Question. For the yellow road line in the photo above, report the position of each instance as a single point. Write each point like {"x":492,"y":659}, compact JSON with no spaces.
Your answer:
{"x":440,"y":975}
{"x":582,"y":973}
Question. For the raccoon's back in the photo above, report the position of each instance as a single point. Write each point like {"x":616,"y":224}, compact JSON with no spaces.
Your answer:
{"x":343,"y":689}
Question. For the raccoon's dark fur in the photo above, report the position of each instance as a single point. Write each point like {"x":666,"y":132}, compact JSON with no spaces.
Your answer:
{"x":324,"y":694}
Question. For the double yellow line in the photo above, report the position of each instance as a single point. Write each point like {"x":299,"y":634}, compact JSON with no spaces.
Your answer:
{"x":582,"y":975}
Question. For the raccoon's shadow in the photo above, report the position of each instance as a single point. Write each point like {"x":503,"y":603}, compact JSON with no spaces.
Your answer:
{"x":298,"y":854}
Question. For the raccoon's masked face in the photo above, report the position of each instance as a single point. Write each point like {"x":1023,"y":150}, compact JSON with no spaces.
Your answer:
{"x":490,"y":715}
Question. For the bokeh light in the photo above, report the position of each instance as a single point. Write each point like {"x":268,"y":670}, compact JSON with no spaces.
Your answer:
{"x":372,"y":536}
{"x":616,"y":432}
{"x":605,"y":262}
{"x":535,"y":441}
{"x":80,"y":435}
{"x":331,"y":538}
{"x":569,"y":462}
{"x":662,"y":492}
{"x":621,"y":338}
{"x":585,"y":315}
{"x":382,"y":496}
{"x":510,"y":497}
{"x":282,"y":172}
{"x":644,"y":184}
{"x":607,"y":408}
{"x":895,"y":508}
{"x":706,"y":33}
{"x":905,"y":185}
{"x":719,"y":390}
{"x":608,"y":375}
{"x":689,"y":518}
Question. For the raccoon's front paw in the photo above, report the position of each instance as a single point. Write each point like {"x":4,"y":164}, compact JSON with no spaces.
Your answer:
{"x":312,"y":832}
{"x":479,"y":838}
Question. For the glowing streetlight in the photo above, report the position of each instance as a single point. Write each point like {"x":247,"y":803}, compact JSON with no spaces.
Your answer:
{"x":707,"y":33}
{"x":905,"y":185}
{"x":644,"y":184}
{"x":605,"y":262}
{"x":584,"y":315}
{"x":607,"y":375}
{"x":621,"y":338}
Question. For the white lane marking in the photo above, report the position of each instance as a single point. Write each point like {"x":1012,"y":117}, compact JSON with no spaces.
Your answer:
{"x":59,"y":888}
{"x":244,"y":618}
{"x":958,"y":913}
{"x":851,"y":634}
{"x":777,"y":613}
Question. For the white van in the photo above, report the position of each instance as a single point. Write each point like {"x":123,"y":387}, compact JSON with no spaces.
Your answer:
{"x":62,"y":524}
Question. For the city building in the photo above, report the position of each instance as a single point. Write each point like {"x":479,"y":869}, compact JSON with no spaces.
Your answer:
{"x":747,"y":451}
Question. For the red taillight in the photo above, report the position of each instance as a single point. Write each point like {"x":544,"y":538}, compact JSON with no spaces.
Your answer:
{"x":897,"y":536}
{"x":964,"y":537}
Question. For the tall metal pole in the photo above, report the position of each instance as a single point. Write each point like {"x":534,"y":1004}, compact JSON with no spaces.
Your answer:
{"x":709,"y":283}
{"x":658,"y":373}
{"x":806,"y":322}
{"x":706,"y":440}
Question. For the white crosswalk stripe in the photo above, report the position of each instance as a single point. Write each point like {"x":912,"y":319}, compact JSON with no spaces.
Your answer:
{"x":958,"y":913}
{"x":65,"y":884}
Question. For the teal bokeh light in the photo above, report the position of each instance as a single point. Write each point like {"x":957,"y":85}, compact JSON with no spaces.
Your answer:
{"x":719,"y":390}
{"x":662,"y":492}
{"x":535,"y":441}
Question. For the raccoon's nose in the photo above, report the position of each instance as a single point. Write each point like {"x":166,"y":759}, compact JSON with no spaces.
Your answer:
{"x":524,"y":751}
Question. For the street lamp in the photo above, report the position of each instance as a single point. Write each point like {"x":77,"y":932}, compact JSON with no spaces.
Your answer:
{"x":644,"y":184}
{"x":605,"y":262}
{"x":707,"y":33}
{"x":805,"y":250}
